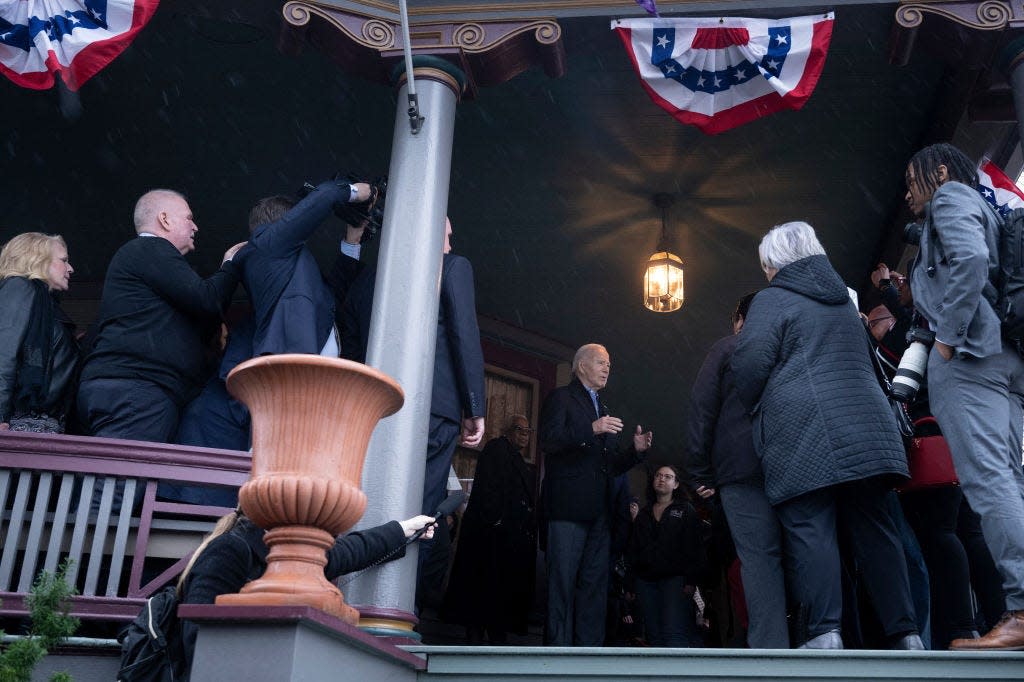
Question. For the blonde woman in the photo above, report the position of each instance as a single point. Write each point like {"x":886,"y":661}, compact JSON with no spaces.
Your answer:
{"x":234,"y":553}
{"x":38,"y":351}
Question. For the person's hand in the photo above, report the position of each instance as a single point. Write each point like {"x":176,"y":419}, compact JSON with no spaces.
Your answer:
{"x":634,"y":509}
{"x":472,"y":431}
{"x":230,"y":253}
{"x":880,"y":273}
{"x":705,"y":492}
{"x":363,"y":192}
{"x":4,"y":426}
{"x":642,"y":441}
{"x":410,"y":526}
{"x":945,"y":351}
{"x":627,"y":619}
{"x":606,"y":424}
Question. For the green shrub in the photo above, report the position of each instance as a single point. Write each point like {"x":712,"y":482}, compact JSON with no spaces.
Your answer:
{"x":48,"y":604}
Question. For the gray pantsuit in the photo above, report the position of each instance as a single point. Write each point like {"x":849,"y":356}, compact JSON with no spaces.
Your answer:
{"x":977,"y":402}
{"x":758,"y":538}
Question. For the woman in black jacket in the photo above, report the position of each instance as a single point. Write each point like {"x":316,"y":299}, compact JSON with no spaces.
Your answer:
{"x":666,"y":558}
{"x":827,"y":439}
{"x":234,"y":554}
{"x":38,"y":351}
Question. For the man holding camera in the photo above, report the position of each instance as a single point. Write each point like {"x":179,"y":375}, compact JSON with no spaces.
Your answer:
{"x":293,"y":306}
{"x":975,"y":377}
{"x":293,"y":313}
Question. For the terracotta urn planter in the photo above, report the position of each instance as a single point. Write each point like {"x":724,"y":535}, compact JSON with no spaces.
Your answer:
{"x":312,"y":418}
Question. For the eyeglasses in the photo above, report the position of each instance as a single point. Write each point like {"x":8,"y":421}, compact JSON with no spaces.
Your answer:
{"x":522,"y":429}
{"x":664,"y":477}
{"x":878,"y":320}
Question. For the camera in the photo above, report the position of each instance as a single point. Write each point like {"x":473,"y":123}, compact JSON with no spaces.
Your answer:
{"x":912,"y":233}
{"x":368,"y":214}
{"x":913,"y":364}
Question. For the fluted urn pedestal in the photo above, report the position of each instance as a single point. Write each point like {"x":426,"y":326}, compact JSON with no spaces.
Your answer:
{"x":312,"y":418}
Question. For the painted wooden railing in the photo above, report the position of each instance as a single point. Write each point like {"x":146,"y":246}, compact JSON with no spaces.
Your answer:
{"x":95,"y":501}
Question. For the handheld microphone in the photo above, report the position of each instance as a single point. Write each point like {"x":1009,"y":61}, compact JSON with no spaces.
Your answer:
{"x":447,"y":506}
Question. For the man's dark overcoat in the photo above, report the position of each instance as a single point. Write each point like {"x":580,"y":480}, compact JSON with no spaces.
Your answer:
{"x":578,"y":464}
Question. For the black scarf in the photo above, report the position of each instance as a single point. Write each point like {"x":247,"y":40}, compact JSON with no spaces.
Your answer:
{"x":35,"y":355}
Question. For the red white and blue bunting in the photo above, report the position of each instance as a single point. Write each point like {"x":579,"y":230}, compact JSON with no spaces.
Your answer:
{"x":717,"y":74}
{"x":77,"y":38}
{"x":997,"y":188}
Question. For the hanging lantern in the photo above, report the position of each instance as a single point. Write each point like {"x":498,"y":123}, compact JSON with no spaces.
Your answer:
{"x":663,"y":280}
{"x":663,"y":283}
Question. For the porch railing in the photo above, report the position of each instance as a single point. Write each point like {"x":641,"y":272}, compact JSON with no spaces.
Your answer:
{"x":94,"y":501}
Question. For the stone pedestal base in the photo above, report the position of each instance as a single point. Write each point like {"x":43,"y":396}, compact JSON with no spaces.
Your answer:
{"x":290,"y":643}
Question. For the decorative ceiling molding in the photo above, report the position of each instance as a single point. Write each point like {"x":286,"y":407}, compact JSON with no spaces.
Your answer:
{"x":990,"y":15}
{"x":480,"y":9}
{"x":489,"y":52}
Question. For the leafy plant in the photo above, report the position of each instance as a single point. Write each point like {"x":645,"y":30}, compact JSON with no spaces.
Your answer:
{"x":50,"y":625}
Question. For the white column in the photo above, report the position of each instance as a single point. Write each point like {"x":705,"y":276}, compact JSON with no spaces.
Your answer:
{"x":403,"y":329}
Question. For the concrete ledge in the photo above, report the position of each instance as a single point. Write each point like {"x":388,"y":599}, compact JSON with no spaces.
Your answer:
{"x":289,"y":643}
{"x":720,"y":665}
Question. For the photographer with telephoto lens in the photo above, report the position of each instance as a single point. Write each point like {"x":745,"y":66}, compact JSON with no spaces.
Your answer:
{"x":976,"y":378}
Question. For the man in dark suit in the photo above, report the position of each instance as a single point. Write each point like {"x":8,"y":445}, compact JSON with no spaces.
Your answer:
{"x":156,"y":314}
{"x":580,"y":440}
{"x":457,"y":400}
{"x":293,"y":306}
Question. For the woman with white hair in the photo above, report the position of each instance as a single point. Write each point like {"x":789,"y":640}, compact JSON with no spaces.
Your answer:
{"x":827,"y":440}
{"x":38,"y":351}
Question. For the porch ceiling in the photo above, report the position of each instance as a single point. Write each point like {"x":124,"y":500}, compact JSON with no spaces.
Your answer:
{"x":551,"y":181}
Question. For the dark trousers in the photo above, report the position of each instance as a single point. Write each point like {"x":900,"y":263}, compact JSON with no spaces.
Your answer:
{"x":670,"y":615}
{"x":127,"y":408}
{"x":933,"y":514}
{"x":215,"y":420}
{"x":861,"y":509}
{"x":985,"y":578}
{"x":432,"y":561}
{"x":758,"y":538}
{"x":577,"y":563}
{"x":441,"y":442}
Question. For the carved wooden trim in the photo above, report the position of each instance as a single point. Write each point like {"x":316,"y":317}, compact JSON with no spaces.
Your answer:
{"x":475,"y":37}
{"x":487,"y":51}
{"x":539,"y":6}
{"x":990,"y":15}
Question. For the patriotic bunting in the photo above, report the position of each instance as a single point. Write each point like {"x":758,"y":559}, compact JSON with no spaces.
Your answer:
{"x":999,"y":190}
{"x":717,"y":74}
{"x":77,"y":38}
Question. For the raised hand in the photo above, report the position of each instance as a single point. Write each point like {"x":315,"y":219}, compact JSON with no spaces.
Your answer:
{"x":642,"y":441}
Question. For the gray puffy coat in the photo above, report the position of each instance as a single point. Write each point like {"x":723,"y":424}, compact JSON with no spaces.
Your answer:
{"x":803,"y":368}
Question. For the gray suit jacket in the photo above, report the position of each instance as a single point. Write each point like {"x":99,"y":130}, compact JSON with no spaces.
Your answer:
{"x":953,"y":274}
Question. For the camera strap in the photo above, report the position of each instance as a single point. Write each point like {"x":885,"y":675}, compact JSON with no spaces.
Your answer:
{"x":899,"y":409}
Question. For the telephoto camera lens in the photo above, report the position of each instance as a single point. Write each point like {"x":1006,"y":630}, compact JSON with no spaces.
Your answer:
{"x":910,"y":373}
